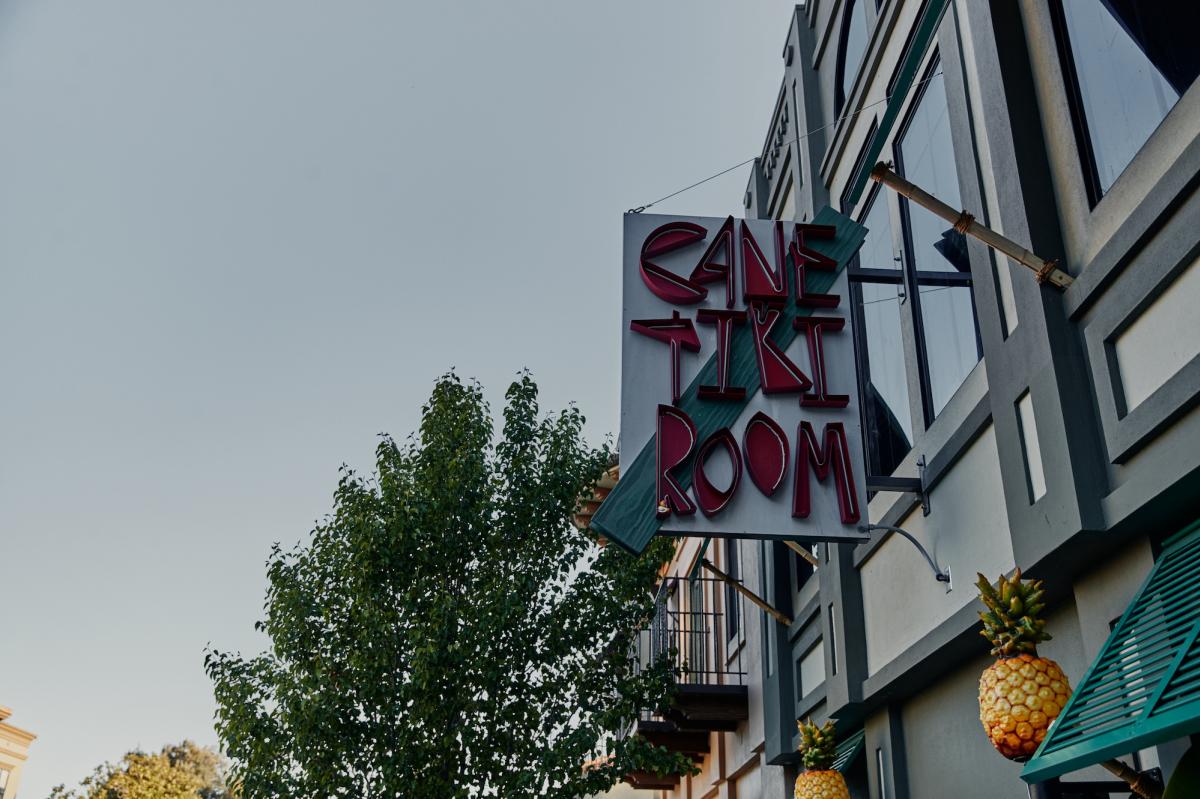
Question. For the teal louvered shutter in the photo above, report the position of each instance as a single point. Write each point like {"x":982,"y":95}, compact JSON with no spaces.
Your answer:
{"x":1144,"y":687}
{"x":850,"y":747}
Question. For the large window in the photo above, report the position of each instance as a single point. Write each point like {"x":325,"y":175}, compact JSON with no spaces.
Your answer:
{"x":936,"y":253}
{"x":911,"y":287}
{"x":3,"y":783}
{"x":887,"y":414}
{"x":852,"y":47}
{"x":1127,"y":63}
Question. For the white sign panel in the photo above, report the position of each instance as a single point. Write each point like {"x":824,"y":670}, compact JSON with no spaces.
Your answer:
{"x":738,"y":378}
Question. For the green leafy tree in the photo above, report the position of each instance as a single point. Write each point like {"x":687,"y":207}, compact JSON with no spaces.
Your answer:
{"x":447,"y":632}
{"x":183,"y":771}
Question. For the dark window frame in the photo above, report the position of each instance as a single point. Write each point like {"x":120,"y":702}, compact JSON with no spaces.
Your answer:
{"x":910,"y":280}
{"x":839,"y":84}
{"x":915,"y":278}
{"x":1073,"y":88}
{"x":1083,"y":137}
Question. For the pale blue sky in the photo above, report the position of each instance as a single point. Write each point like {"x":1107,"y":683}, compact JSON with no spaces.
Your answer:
{"x":239,"y":239}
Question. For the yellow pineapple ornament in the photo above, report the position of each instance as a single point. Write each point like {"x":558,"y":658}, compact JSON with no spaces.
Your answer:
{"x":1020,"y":694}
{"x":818,"y":749}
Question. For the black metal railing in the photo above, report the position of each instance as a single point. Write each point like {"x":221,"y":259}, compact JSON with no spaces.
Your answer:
{"x":702,"y":647}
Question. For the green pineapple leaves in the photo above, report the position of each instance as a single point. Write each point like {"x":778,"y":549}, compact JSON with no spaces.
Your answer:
{"x":818,"y":747}
{"x":1012,"y":622}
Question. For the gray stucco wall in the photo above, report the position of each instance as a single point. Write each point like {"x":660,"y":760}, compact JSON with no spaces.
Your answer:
{"x":948,"y":754}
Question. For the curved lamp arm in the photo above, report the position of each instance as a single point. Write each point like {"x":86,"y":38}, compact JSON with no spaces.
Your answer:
{"x":939,"y":575}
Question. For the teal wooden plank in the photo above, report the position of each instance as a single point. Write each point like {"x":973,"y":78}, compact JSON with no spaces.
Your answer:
{"x":1114,"y":712}
{"x":627,"y":516}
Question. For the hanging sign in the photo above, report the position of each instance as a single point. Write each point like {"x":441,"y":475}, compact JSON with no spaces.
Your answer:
{"x":739,"y":399}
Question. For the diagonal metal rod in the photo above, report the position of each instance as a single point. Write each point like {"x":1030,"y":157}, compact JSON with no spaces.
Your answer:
{"x":963,"y":222}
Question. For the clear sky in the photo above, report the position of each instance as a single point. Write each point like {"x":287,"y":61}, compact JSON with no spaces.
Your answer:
{"x":239,"y":239}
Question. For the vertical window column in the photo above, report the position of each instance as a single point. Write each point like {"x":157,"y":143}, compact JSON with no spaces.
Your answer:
{"x":733,"y":622}
{"x":936,"y":254}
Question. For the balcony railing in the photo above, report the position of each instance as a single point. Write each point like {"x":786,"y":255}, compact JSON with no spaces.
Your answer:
{"x":703,"y":646}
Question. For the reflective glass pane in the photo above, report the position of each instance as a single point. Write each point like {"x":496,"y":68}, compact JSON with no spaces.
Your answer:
{"x":948,"y":317}
{"x":856,"y":46}
{"x":876,"y":251}
{"x":927,"y":159}
{"x":1133,"y":62}
{"x":889,"y":423}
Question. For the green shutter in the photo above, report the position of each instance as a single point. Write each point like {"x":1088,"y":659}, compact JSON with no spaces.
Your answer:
{"x":627,"y":514}
{"x":847,"y":750}
{"x":1144,"y":688}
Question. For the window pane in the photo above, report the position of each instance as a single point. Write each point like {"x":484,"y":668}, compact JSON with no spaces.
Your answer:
{"x":876,"y":251}
{"x":889,"y":424}
{"x":787,"y":206}
{"x":948,"y":317}
{"x":1133,"y":62}
{"x":927,"y":159}
{"x":856,"y":45}
{"x":803,"y":566}
{"x":695,"y":634}
{"x":733,"y":569}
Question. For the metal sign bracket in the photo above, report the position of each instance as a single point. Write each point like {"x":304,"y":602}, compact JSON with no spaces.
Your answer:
{"x":942,"y":576}
{"x":904,"y":485}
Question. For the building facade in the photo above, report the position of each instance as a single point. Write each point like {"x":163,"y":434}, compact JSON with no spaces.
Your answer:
{"x":1054,"y":430}
{"x":14,"y":750}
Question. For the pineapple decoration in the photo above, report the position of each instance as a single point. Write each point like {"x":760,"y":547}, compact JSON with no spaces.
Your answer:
{"x":819,"y":780}
{"x":1020,"y":694}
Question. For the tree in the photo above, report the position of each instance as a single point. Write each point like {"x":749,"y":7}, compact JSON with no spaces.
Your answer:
{"x":447,"y":632}
{"x":183,"y":771}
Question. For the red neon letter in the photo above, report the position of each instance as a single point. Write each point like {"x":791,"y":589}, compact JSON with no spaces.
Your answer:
{"x":667,"y":285}
{"x":765,"y":447}
{"x":812,"y":327}
{"x":778,"y":373}
{"x":763,"y":282}
{"x":724,"y":320}
{"x":803,"y":258}
{"x":835,"y":456}
{"x":713,"y":501}
{"x":677,"y":333}
{"x":710,"y":269}
{"x":672,"y":444}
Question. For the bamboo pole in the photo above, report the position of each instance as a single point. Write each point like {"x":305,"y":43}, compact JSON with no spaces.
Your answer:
{"x":803,"y":552}
{"x":963,"y":222}
{"x":1141,"y":784}
{"x":746,"y":592}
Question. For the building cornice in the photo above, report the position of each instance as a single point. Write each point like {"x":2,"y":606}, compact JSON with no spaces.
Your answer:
{"x":16,"y":734}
